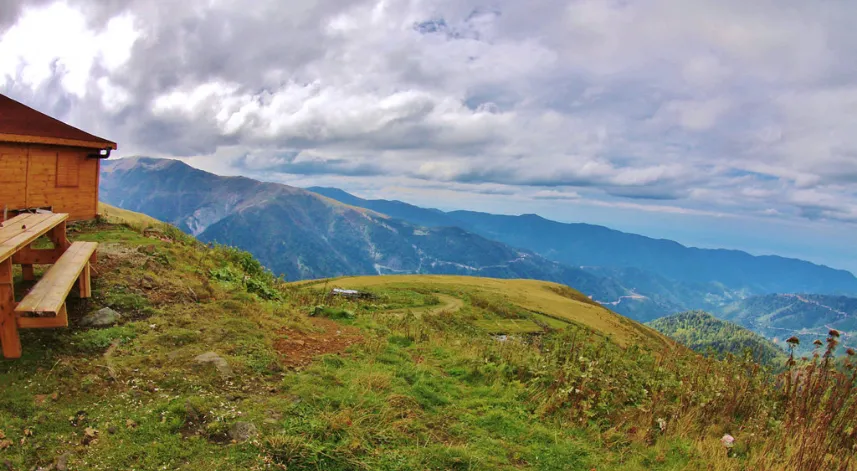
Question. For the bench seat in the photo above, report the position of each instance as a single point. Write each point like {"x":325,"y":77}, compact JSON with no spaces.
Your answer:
{"x":47,"y":298}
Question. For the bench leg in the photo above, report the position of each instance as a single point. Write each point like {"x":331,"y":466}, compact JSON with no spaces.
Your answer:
{"x":9,"y":339}
{"x":29,"y":274}
{"x":84,"y":282}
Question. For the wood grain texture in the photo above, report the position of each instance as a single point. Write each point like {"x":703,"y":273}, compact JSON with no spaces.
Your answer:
{"x":48,"y":296}
{"x":10,"y":342}
{"x":60,"y":320}
{"x":13,"y":176}
{"x":15,"y":237}
{"x":39,"y":176}
{"x":84,"y":282}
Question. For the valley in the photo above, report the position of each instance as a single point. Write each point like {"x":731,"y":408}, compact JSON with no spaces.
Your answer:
{"x":327,"y":232}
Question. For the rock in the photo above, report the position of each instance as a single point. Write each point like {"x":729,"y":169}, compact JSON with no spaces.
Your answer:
{"x":112,"y":430}
{"x":101,"y":318}
{"x":242,"y":431}
{"x":62,"y":462}
{"x":218,"y":362}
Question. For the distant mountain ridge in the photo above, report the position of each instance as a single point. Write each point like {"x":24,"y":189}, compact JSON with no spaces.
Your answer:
{"x":663,"y":271}
{"x":806,"y":316}
{"x":304,"y":235}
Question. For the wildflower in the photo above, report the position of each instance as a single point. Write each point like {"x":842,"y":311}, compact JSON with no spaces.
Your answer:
{"x":818,"y":343}
{"x":850,"y":352}
{"x":662,"y":424}
{"x":833,"y":333}
{"x":728,"y":441}
{"x":793,"y":340}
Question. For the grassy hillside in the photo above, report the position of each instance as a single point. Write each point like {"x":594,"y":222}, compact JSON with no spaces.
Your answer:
{"x":415,"y":378}
{"x":112,"y":214}
{"x":705,"y":333}
{"x":521,"y":301}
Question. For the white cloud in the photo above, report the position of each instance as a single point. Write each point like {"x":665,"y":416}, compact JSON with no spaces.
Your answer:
{"x":720,"y":106}
{"x":56,"y":39}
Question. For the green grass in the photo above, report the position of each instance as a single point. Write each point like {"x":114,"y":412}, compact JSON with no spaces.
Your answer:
{"x":509,"y":326}
{"x":427,"y":386}
{"x":513,"y":298}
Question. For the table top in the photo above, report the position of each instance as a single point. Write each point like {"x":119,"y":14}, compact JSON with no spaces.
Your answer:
{"x":22,"y":230}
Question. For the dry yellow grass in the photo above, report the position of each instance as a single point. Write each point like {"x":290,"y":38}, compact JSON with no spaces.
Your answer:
{"x":116,"y":215}
{"x":532,"y":295}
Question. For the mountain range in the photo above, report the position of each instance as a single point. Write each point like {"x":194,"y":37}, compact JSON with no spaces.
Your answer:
{"x":806,"y":316}
{"x":327,"y":232}
{"x":665,"y":272}
{"x":303,"y":235}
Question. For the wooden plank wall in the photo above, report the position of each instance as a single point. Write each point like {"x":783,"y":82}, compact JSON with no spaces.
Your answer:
{"x":49,"y":176}
{"x":13,"y":176}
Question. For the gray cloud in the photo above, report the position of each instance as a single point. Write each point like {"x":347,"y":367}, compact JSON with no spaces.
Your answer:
{"x":717,"y":105}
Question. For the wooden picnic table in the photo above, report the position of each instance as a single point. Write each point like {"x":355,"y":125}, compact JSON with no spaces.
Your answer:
{"x":45,"y":303}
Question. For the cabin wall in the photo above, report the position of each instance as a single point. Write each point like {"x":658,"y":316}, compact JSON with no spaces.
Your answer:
{"x":13,"y":176}
{"x":62,"y":178}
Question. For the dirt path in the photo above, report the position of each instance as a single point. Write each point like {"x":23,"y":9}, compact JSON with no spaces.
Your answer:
{"x":451,"y":304}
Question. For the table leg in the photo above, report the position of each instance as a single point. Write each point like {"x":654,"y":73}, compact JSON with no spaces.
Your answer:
{"x":28,"y":273}
{"x":11,"y":343}
{"x":59,"y":237}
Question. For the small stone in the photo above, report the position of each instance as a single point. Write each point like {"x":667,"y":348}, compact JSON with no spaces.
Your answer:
{"x":222,"y":366}
{"x":112,"y":429}
{"x":62,"y":462}
{"x":242,"y":431}
{"x":101,"y":318}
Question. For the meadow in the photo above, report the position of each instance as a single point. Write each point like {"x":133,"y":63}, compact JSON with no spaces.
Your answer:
{"x":429,"y":372}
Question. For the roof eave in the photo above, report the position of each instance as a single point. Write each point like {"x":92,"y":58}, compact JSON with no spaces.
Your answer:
{"x":55,"y":141}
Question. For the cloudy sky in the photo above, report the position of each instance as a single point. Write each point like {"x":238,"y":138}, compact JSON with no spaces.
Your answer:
{"x":718,"y":123}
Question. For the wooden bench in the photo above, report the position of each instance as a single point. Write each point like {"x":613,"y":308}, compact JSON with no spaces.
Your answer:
{"x":47,"y":299}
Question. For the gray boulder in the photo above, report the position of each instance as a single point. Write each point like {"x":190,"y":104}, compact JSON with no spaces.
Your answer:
{"x":212,"y":358}
{"x":242,"y":431}
{"x":101,"y":318}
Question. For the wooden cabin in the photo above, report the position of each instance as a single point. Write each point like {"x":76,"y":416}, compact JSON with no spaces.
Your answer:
{"x":47,"y":164}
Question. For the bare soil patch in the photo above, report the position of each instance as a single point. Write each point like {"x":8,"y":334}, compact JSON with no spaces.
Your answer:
{"x":298,"y":348}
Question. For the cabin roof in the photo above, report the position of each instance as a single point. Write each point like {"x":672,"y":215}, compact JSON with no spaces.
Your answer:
{"x":22,"y":124}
